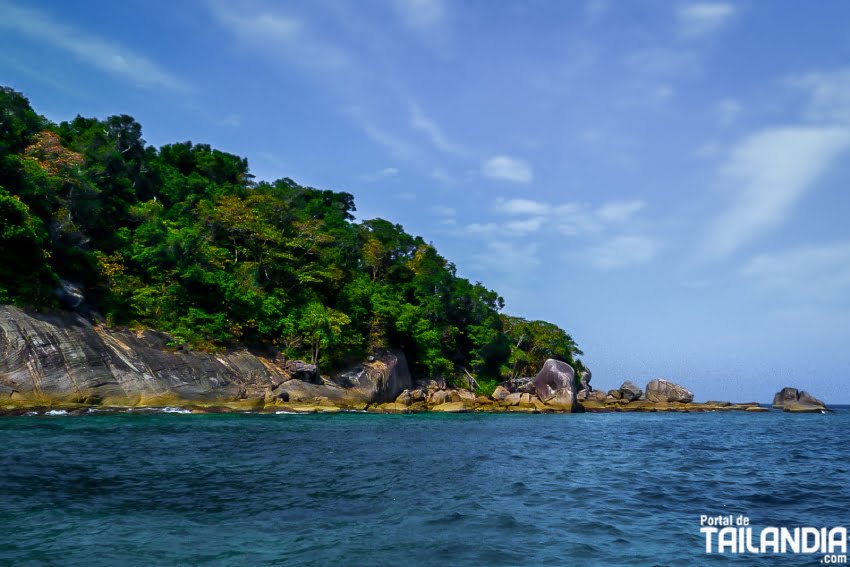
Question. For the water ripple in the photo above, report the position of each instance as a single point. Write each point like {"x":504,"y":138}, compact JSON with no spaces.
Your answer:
{"x":363,"y":489}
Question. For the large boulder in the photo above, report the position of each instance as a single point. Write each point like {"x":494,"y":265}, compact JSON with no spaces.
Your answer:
{"x":381,"y":380}
{"x":465,"y":395}
{"x":523,"y":385}
{"x":439,"y":397}
{"x":303,"y":371}
{"x":630,"y":391}
{"x":418,"y":395}
{"x":585,"y":390}
{"x":513,"y":399}
{"x":584,"y":379}
{"x":500,"y":393}
{"x":791,"y":399}
{"x":660,"y":390}
{"x":404,"y":398}
{"x":564,"y":399}
{"x":556,"y":380}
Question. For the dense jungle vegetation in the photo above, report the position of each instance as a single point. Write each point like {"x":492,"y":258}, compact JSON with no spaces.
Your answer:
{"x":183,"y":239}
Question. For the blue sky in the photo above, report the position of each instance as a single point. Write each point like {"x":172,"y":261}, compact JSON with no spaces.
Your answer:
{"x":666,"y":180}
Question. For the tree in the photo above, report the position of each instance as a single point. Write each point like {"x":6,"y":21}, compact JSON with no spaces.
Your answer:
{"x":25,"y":274}
{"x":18,"y":122}
{"x":321,"y":327}
{"x":182,"y":239}
{"x":532,"y":342}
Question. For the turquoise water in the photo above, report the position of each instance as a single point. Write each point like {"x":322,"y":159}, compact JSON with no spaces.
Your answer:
{"x":428,"y":489}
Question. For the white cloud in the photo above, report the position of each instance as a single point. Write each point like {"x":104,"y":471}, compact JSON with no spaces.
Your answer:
{"x":511,"y":258}
{"x":422,"y":123}
{"x":581,"y":223}
{"x":818,"y":273}
{"x":703,"y":18}
{"x":727,"y":111}
{"x":623,"y":251}
{"x":526,"y":225}
{"x":508,"y":168}
{"x":481,"y":228}
{"x":522,"y":207}
{"x":769,"y":173}
{"x":396,"y":146}
{"x":276,"y":35}
{"x":594,"y":224}
{"x":829,"y":95}
{"x":102,"y":54}
{"x":385,"y":173}
{"x":573,"y":219}
{"x":619,"y":211}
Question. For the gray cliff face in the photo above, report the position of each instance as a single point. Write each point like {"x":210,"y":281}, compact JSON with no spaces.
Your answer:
{"x":64,"y":358}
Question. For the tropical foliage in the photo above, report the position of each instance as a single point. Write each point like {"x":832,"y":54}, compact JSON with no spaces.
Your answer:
{"x":183,"y":239}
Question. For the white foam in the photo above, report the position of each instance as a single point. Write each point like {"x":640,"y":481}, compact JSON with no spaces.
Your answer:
{"x":56,"y":412}
{"x":174,"y":410}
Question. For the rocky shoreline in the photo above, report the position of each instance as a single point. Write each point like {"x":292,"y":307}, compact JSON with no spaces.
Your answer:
{"x":66,"y":363}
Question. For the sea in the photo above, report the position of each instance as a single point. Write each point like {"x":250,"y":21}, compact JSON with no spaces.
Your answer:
{"x":171,"y":488}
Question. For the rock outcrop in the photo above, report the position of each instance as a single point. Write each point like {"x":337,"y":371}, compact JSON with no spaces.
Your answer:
{"x":797,"y":401}
{"x":64,"y":358}
{"x":660,"y":390}
{"x":303,"y":371}
{"x":500,"y":393}
{"x":555,"y":385}
{"x":630,"y":391}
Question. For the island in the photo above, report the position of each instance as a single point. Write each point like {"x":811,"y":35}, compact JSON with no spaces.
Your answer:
{"x":142,"y":277}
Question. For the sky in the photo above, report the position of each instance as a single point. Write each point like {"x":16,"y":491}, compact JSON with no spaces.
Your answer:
{"x":666,"y":180}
